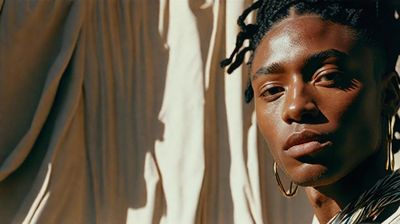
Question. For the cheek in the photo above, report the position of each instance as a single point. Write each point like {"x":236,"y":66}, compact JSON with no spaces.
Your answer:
{"x":358,"y":106}
{"x":270,"y":124}
{"x":356,"y":117}
{"x":364,"y":120}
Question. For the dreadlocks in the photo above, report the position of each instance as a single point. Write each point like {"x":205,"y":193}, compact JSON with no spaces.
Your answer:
{"x":373,"y":20}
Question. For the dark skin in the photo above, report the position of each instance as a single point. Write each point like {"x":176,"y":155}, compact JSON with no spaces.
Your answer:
{"x":321,"y":108}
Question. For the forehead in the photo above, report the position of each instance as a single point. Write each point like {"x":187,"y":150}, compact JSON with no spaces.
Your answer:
{"x":298,"y":36}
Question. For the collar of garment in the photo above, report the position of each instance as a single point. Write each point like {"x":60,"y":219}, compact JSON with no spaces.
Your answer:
{"x":372,"y":202}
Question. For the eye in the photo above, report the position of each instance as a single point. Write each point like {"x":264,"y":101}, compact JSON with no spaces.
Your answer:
{"x":271,"y":93}
{"x":329,"y":78}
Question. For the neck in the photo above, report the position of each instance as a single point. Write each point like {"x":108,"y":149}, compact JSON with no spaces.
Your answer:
{"x":328,"y":200}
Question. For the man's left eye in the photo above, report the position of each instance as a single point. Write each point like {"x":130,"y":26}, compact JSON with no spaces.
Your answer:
{"x":328,"y":79}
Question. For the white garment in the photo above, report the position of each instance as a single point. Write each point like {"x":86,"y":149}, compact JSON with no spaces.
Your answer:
{"x":393,"y":219}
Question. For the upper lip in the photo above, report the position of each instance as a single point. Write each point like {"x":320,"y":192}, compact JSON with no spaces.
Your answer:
{"x":304,"y":136}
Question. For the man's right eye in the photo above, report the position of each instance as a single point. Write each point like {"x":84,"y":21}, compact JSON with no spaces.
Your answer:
{"x":272,"y":93}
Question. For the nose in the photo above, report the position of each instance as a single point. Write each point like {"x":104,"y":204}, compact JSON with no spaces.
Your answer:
{"x":299,"y":105}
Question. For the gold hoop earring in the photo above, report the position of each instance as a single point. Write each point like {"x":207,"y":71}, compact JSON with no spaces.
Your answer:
{"x":389,"y":145}
{"x":287,"y":193}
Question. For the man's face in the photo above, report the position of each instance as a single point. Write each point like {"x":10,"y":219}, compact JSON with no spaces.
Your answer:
{"x":317,"y":102}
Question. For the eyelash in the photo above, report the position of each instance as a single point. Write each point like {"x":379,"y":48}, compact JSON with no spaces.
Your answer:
{"x":271,"y":93}
{"x":334,"y":78}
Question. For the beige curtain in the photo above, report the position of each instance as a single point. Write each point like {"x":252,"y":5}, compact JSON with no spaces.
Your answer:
{"x":116,"y":111}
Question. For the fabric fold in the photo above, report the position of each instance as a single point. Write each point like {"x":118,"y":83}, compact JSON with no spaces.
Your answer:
{"x":55,"y":73}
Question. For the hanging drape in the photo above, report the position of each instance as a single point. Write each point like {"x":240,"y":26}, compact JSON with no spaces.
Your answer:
{"x":116,"y":111}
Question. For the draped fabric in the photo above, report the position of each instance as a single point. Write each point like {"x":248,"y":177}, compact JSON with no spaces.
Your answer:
{"x":116,"y":111}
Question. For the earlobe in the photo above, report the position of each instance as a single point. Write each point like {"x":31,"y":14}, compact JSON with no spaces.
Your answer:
{"x":391,"y":94}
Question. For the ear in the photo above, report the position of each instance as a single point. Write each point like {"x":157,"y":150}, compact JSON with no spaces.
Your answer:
{"x":391,"y":93}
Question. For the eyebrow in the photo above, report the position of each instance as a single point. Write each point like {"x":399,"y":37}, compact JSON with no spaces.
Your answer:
{"x":311,"y":61}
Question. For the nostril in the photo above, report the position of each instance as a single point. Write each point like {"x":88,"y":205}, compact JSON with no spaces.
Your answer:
{"x":306,"y":113}
{"x":311,"y":117}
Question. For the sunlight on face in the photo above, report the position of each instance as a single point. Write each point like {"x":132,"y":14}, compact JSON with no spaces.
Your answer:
{"x":316,"y":99}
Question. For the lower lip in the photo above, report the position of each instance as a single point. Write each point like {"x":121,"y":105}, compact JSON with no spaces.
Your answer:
{"x":307,"y":148}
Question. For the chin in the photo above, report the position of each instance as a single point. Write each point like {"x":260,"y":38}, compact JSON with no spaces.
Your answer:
{"x":312,"y":175}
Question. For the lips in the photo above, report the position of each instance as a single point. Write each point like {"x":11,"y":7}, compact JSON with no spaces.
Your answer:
{"x":305,"y":143}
